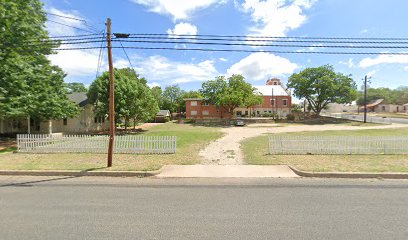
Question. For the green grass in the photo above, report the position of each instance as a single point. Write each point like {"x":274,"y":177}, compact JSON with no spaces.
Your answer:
{"x":8,"y":150}
{"x":190,"y":139}
{"x":256,"y":152}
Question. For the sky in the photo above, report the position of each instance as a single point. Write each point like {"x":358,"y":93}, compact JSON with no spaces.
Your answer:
{"x":188,"y":69}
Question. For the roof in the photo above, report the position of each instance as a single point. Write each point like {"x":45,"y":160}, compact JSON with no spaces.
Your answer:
{"x":163,"y":113}
{"x":79,"y":98}
{"x":266,"y":90}
{"x":375,"y":102}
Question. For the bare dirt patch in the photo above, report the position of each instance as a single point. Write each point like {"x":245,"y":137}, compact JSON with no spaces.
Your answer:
{"x":227,"y":150}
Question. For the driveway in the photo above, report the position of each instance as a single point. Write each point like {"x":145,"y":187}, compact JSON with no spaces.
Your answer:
{"x":227,"y":150}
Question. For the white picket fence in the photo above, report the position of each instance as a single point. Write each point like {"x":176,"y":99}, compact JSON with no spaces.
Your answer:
{"x":325,"y":145}
{"x":45,"y":143}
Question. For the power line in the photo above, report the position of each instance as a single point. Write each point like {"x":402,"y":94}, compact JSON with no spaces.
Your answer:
{"x":260,"y":45}
{"x":239,"y":50}
{"x":61,"y":16}
{"x":100,"y":57}
{"x":126,"y":55}
{"x":63,"y":24}
{"x":267,"y":40}
{"x":264,"y":37}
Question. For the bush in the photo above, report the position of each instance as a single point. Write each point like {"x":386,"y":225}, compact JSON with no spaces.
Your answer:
{"x":290,"y":117}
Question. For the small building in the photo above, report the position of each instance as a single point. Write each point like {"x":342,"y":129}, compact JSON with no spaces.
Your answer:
{"x":85,"y":122}
{"x":276,"y":100}
{"x":162,"y":116}
{"x":382,"y":106}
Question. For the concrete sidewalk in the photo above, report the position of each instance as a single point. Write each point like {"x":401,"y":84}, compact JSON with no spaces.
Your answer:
{"x":226,"y":171}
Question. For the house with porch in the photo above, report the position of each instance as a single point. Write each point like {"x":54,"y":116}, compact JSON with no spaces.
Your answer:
{"x":276,"y":100}
{"x":85,"y":122}
{"x":382,"y":106}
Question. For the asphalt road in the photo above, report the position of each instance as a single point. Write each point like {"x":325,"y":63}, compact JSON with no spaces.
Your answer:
{"x":131,"y":208}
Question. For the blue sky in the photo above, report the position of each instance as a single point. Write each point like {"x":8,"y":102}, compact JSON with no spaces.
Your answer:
{"x":317,"y":18}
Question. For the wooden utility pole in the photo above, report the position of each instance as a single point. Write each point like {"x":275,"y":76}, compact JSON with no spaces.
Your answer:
{"x":111,"y":93}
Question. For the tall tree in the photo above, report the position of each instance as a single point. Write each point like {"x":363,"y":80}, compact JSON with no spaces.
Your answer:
{"x":321,"y":86}
{"x":29,"y":85}
{"x":230,"y":93}
{"x":75,"y":87}
{"x":133,"y":98}
{"x":157,"y":94}
{"x":172,"y":98}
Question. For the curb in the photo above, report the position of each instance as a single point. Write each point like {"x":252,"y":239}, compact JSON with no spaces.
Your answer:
{"x":349,"y":174}
{"x":80,"y":173}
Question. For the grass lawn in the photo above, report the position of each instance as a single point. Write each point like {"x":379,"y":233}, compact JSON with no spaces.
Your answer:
{"x":190,"y":139}
{"x":256,"y":152}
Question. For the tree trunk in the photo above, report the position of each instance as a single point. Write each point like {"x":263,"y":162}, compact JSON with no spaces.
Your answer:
{"x":134,"y":123}
{"x":126,"y":123}
{"x":28,"y":125}
{"x":50,"y":127}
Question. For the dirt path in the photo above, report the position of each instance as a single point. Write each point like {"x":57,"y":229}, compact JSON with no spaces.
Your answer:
{"x":227,"y":150}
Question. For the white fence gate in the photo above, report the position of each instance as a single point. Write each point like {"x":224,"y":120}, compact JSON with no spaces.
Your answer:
{"x":325,"y":145}
{"x":45,"y":143}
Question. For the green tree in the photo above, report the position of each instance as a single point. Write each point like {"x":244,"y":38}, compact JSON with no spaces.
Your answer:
{"x":29,"y":85}
{"x":133,"y":98}
{"x":230,"y":93}
{"x":172,"y":98}
{"x":157,"y":94}
{"x":75,"y":87}
{"x":321,"y":86}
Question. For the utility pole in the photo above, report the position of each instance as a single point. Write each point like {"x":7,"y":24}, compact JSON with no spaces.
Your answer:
{"x":365,"y":99}
{"x":111,"y":93}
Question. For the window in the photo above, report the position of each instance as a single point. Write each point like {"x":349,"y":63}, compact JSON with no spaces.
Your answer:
{"x":273,"y":102}
{"x":206,"y":113}
{"x":383,"y":108}
{"x":193,"y":103}
{"x":96,"y":120}
{"x":205,"y":103}
{"x":65,"y":121}
{"x":193,"y":113}
{"x":285,"y":102}
{"x":275,"y":83}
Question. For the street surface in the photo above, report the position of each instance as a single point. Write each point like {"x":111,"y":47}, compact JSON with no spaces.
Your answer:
{"x":132,"y":208}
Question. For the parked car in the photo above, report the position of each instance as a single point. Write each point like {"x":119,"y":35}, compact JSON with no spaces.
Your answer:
{"x":239,"y":123}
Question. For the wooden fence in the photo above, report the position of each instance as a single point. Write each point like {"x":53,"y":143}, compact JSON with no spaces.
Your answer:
{"x":45,"y":143}
{"x":325,"y":145}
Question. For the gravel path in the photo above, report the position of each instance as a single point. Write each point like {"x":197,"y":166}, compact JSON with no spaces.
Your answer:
{"x":227,"y":150}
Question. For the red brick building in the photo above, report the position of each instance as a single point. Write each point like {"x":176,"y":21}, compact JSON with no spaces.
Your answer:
{"x":276,"y":101}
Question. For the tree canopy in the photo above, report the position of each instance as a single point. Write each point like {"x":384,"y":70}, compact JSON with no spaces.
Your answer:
{"x":321,"y":86}
{"x":392,"y":96}
{"x":133,"y":98}
{"x":75,"y":87}
{"x":172,"y":97}
{"x":29,"y":85}
{"x":230,"y":93}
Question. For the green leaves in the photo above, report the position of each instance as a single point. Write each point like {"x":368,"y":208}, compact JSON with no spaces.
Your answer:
{"x":321,"y":86}
{"x":29,"y":84}
{"x":231,"y":93}
{"x":133,"y":98}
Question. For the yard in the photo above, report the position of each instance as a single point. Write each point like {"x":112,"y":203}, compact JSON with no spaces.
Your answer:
{"x":190,"y":139}
{"x":256,"y":152}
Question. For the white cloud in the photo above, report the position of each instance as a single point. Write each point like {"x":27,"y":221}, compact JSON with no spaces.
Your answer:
{"x":383,"y":59}
{"x":56,"y":29}
{"x":163,"y":71}
{"x":76,"y":63}
{"x":406,"y":68}
{"x":223,"y":59}
{"x":349,"y":63}
{"x":276,"y":17}
{"x":178,"y":9}
{"x":153,"y":84}
{"x":259,"y":66}
{"x":371,"y":73}
{"x":183,"y":29}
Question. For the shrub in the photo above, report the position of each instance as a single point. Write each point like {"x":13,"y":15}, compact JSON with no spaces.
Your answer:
{"x":290,"y":117}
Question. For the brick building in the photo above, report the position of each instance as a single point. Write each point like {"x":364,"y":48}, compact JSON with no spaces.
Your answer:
{"x":276,"y":100}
